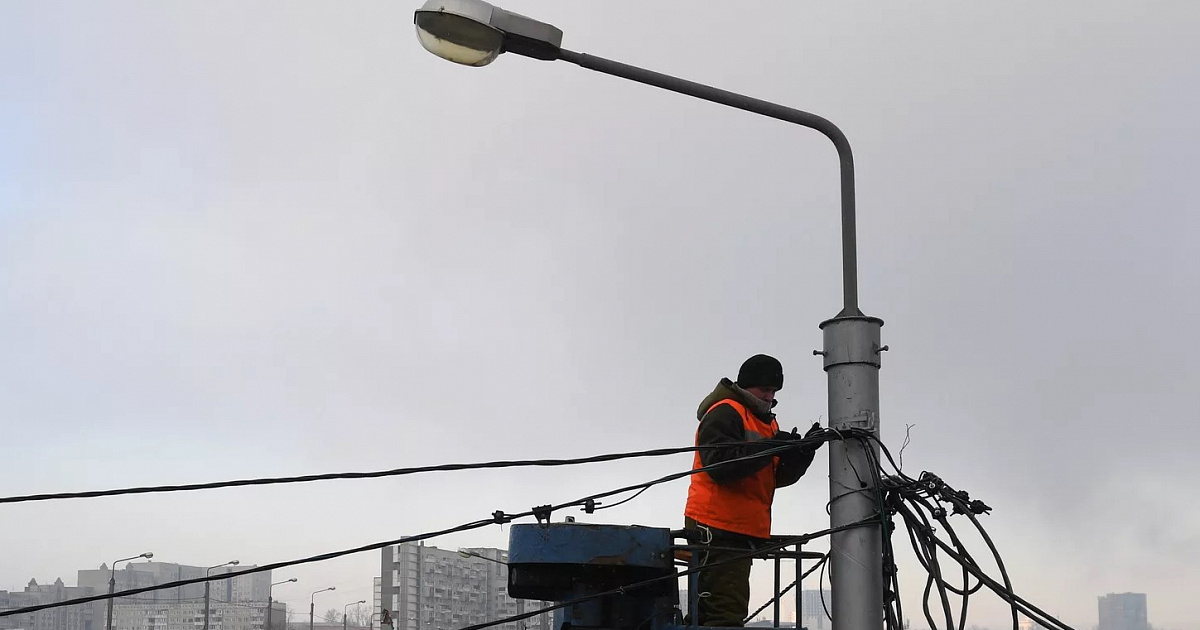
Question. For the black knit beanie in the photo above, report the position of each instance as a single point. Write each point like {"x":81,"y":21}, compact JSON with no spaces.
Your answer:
{"x":761,"y":370}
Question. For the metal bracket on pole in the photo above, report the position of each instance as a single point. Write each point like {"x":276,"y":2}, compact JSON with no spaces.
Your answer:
{"x":852,"y":340}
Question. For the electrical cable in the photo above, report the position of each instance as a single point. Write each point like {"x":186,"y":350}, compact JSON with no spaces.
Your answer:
{"x":780,"y":594}
{"x":1032,"y":611}
{"x":396,"y":472}
{"x":909,"y":500}
{"x":497,"y":518}
{"x":893,"y":607}
{"x":918,"y":535}
{"x":904,"y":489}
{"x":622,"y":501}
{"x":821,"y":589}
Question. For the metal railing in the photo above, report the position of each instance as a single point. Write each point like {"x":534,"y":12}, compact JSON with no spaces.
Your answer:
{"x":690,"y":555}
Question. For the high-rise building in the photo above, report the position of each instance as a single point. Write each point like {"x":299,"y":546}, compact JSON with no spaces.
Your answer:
{"x":1123,"y":611}
{"x":426,"y":588}
{"x":813,"y":604}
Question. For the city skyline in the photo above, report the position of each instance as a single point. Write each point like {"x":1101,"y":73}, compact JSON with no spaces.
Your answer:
{"x":1125,"y":611}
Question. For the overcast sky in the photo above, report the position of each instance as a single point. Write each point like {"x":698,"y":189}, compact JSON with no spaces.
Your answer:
{"x":246,"y":239}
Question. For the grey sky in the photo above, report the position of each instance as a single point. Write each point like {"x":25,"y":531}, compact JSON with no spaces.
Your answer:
{"x":243,"y":239}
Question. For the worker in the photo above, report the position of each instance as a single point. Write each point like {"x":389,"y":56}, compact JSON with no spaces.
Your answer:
{"x":729,"y":507}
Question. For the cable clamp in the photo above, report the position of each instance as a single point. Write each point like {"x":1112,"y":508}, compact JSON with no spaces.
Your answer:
{"x":500,"y":518}
{"x":542,"y":514}
{"x":589,"y":506}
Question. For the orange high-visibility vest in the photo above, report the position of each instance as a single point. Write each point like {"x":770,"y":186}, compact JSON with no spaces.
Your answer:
{"x":743,"y":506}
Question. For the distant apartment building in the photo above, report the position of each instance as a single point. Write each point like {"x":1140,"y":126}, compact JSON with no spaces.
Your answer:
{"x":426,"y":588}
{"x":1123,"y":611}
{"x":189,"y":615}
{"x":64,"y":618}
{"x":235,"y":604}
{"x":812,"y":610}
{"x":246,"y":588}
{"x":170,"y":609}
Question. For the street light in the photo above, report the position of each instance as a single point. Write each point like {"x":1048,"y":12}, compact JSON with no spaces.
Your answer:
{"x":112,"y":583}
{"x":474,"y":33}
{"x":312,"y":602}
{"x":466,"y":553}
{"x":271,"y":601}
{"x":361,"y":601}
{"x":207,"y":584}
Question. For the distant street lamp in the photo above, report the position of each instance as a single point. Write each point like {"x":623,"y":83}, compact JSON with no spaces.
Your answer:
{"x":207,"y":584}
{"x":361,"y":601}
{"x":112,"y":583}
{"x":271,"y":601}
{"x":474,"y":33}
{"x":312,"y":603}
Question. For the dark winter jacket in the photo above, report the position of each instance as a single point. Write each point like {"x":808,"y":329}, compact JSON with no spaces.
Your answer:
{"x":723,"y":424}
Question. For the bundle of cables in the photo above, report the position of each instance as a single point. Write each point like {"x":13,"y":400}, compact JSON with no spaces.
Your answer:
{"x":921,"y":503}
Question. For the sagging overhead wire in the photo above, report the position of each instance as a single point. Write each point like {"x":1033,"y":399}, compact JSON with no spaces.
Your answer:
{"x":789,"y":587}
{"x":498,"y":518}
{"x":395,"y":472}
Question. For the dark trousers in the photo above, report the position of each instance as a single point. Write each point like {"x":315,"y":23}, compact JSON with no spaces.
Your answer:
{"x":728,"y":582}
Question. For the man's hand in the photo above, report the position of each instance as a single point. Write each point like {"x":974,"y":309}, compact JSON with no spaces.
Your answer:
{"x":794,"y":435}
{"x":781,"y":436}
{"x":813,"y":431}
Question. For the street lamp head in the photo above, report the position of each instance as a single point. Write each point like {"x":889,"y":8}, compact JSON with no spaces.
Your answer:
{"x":234,"y":562}
{"x":292,"y":580}
{"x":474,"y":33}
{"x":147,"y":555}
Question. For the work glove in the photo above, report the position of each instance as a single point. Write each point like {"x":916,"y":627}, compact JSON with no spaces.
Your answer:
{"x":813,"y":431}
{"x":787,"y":436}
{"x":794,"y":434}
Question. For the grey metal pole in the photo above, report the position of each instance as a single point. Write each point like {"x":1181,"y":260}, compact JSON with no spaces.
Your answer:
{"x":851,"y":351}
{"x":852,"y":357}
{"x":112,"y":587}
{"x":777,"y":607}
{"x":799,"y":584}
{"x":311,"y":605}
{"x":206,"y":583}
{"x":270,"y":605}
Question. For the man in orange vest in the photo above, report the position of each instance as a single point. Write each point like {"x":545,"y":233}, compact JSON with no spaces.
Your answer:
{"x":731,"y":505}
